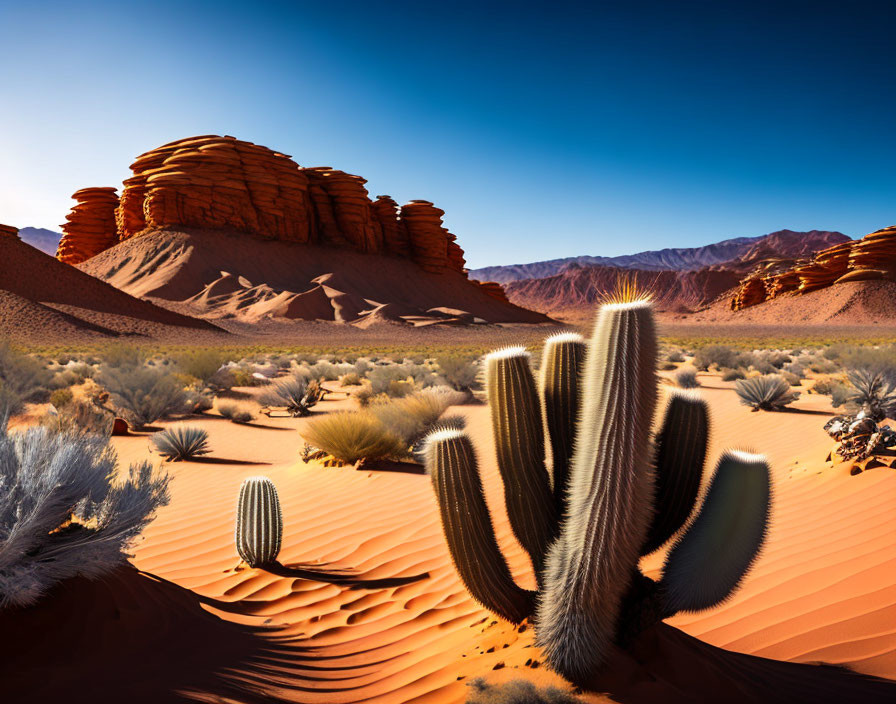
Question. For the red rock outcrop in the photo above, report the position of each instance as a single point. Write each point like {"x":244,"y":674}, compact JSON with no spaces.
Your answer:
{"x":494,"y":289}
{"x":429,"y":240}
{"x":872,"y":257}
{"x":90,"y":226}
{"x":9,"y":231}
{"x":750,"y":292}
{"x":222,"y":183}
{"x":395,"y":233}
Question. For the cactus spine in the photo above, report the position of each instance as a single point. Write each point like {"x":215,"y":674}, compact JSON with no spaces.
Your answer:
{"x":708,"y":562}
{"x":620,"y":505}
{"x":259,"y":522}
{"x":519,"y":443}
{"x":610,"y":484}
{"x":468,"y":526}
{"x":561,"y":364}
{"x":680,"y":455}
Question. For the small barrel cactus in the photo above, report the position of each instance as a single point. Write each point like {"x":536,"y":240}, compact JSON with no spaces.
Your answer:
{"x":259,"y":522}
{"x":604,"y":493}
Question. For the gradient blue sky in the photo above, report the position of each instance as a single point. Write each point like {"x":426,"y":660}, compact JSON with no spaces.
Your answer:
{"x":543,"y":131}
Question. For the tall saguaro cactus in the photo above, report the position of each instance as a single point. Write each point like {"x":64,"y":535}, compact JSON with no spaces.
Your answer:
{"x":607,"y":492}
{"x":259,"y":522}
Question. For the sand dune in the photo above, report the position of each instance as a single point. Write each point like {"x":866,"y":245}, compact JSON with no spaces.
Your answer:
{"x":219,"y":275}
{"x":822,"y":591}
{"x":42,"y":298}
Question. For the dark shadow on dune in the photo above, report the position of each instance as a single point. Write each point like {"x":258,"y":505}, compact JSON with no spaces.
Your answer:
{"x":340,"y":576}
{"x":225,"y":460}
{"x":129,"y":637}
{"x":666,"y":665}
{"x":391,"y":466}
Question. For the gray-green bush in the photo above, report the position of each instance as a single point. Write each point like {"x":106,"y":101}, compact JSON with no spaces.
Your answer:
{"x":65,"y":511}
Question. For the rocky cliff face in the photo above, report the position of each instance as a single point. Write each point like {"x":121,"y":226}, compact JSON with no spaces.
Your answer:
{"x":222,"y":183}
{"x":9,"y":231}
{"x":90,"y":226}
{"x":871,"y":258}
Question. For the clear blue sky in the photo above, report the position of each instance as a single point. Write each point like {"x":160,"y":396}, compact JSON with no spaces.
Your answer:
{"x":542,"y":132}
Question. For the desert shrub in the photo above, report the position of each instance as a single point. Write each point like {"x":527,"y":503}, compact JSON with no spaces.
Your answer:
{"x":296,"y":394}
{"x":675,"y":356}
{"x":118,"y":355}
{"x":23,"y":378}
{"x":516,"y":692}
{"x":198,"y":401}
{"x":460,"y":372}
{"x":869,"y":391}
{"x":325,"y":371}
{"x":63,"y":513}
{"x":235,"y":412}
{"x":686,"y":378}
{"x":667,"y":366}
{"x":790,"y":378}
{"x":875,"y":360}
{"x":143,"y":395}
{"x":768,"y":392}
{"x":64,"y":379}
{"x":721,"y":356}
{"x":825,"y":385}
{"x":820,"y":365}
{"x":411,"y":417}
{"x":795,"y":368}
{"x":732,"y":374}
{"x":774,"y":358}
{"x":760,"y":366}
{"x":61,"y":397}
{"x":350,"y":379}
{"x":207,"y":366}
{"x":353,"y":435}
{"x":80,"y":416}
{"x":181,"y":442}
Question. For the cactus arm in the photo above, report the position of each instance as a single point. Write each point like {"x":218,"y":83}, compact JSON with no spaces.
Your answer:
{"x":561,"y":364}
{"x":259,"y":522}
{"x":708,"y":562}
{"x":467,"y":525}
{"x":590,"y":566}
{"x":680,"y":455}
{"x":519,"y":445}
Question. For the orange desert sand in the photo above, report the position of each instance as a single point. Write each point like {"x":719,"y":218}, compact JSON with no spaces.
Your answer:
{"x":192,"y":622}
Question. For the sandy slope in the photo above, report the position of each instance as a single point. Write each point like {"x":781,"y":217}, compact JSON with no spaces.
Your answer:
{"x":42,"y":298}
{"x":222,"y":275}
{"x":821,"y":591}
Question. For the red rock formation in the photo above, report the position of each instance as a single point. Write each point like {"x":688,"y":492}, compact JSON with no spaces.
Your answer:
{"x":9,"y":231}
{"x":872,"y":257}
{"x":429,"y":240}
{"x":494,"y":289}
{"x":350,"y":207}
{"x":750,"y":292}
{"x":90,"y":226}
{"x":222,"y":183}
{"x":215,"y":182}
{"x":395,"y":233}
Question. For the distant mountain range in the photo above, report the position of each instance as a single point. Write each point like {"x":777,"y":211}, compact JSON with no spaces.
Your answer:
{"x":786,"y":244}
{"x":46,"y":241}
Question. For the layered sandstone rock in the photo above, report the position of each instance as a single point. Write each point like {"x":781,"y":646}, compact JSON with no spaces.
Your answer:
{"x":9,"y":231}
{"x":395,"y":233}
{"x":222,"y":183}
{"x":90,"y":227}
{"x":872,"y":257}
{"x":494,"y":289}
{"x":429,"y":240}
{"x":750,"y":292}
